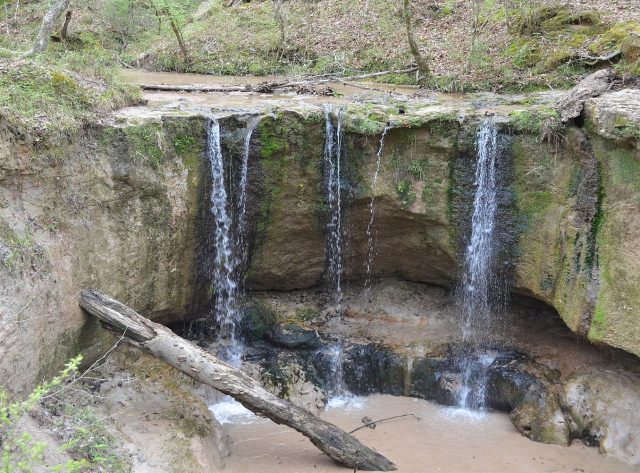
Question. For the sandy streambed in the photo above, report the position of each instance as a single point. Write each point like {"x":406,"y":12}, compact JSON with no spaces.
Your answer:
{"x":444,"y":440}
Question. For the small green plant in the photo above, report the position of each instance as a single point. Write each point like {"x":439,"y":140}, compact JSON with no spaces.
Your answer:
{"x":90,"y":439}
{"x":405,"y":194}
{"x":430,"y":190}
{"x":535,"y":122}
{"x":20,"y":452}
{"x":182,"y":144}
{"x":416,"y":169}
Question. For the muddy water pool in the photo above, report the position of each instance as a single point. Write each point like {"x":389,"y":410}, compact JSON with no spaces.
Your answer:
{"x":445,"y":440}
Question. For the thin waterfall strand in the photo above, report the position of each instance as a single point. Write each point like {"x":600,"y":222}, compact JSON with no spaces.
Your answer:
{"x":332,"y":161}
{"x":369,"y":260}
{"x":226,"y":308}
{"x":478,"y":279}
{"x":241,"y":206}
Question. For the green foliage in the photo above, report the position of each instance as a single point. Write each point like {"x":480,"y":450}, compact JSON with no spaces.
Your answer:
{"x":51,"y":98}
{"x":553,"y":39}
{"x":430,"y":190}
{"x":90,"y":439}
{"x":405,"y":194}
{"x":541,"y":19}
{"x":87,"y":439}
{"x":183,"y":144}
{"x":20,"y":452}
{"x":144,"y":143}
{"x":612,"y":37}
{"x":534,"y":121}
{"x":536,"y":202}
{"x":416,"y":169}
{"x":524,"y":53}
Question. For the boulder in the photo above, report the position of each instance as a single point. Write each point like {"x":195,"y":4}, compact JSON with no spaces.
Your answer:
{"x":630,"y":47}
{"x":528,"y":390}
{"x":605,"y":407}
{"x":293,"y":336}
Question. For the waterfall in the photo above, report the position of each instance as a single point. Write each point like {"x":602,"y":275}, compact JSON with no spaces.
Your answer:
{"x":241,"y":204}
{"x":337,"y":387}
{"x":331,"y":162}
{"x":369,"y":260}
{"x":333,"y":278}
{"x":229,"y":258}
{"x":478,"y":282}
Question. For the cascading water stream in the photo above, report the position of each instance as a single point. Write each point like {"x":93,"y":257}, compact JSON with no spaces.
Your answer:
{"x":478,"y":280}
{"x":241,"y":205}
{"x":226,"y":308}
{"x":331,"y":161}
{"x":370,"y":248}
{"x":230,"y":258}
{"x":333,"y":278}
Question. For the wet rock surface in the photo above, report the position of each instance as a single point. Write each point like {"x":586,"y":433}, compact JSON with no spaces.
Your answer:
{"x":132,"y":222}
{"x":293,"y":336}
{"x":526,"y":372}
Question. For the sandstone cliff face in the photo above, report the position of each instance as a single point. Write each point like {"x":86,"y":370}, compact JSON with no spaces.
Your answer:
{"x":114,"y":207}
{"x":568,"y":204}
{"x":122,"y":207}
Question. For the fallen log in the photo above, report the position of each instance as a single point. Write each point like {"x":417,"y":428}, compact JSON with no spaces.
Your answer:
{"x":269,"y":87}
{"x":197,"y":88}
{"x":207,"y":369}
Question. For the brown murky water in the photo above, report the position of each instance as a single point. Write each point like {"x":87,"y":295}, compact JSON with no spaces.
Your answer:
{"x":342,"y":93}
{"x":445,"y":440}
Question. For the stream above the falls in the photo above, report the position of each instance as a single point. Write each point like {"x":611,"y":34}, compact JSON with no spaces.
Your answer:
{"x":446,"y":440}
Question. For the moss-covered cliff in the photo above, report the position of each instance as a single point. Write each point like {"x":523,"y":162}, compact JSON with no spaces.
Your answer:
{"x":121,"y":206}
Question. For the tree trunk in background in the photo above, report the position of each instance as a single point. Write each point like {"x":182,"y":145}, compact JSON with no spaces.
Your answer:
{"x":207,"y":369}
{"x":48,"y":23}
{"x":421,"y":61}
{"x":280,"y":19}
{"x":178,"y":33}
{"x":65,"y":27}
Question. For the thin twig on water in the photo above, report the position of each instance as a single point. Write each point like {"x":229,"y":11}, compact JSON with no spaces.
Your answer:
{"x":375,"y":422}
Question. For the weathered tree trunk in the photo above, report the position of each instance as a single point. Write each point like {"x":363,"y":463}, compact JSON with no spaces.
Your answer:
{"x":178,"y":33}
{"x":207,"y":369}
{"x":571,"y":104}
{"x":421,"y":61}
{"x":282,"y":25}
{"x":65,"y":27}
{"x":48,"y":23}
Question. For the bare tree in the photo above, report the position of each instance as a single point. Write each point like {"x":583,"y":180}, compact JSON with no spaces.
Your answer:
{"x":65,"y":27}
{"x":282,"y":25}
{"x":475,"y":24}
{"x":421,"y":61}
{"x":170,"y":9}
{"x":48,"y":23}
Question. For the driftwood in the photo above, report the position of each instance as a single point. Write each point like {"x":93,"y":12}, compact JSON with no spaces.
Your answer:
{"x":269,"y":87}
{"x":589,"y":60}
{"x":572,"y":103}
{"x":207,"y":369}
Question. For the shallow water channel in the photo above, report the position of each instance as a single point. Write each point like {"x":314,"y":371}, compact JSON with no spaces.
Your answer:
{"x":445,"y":439}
